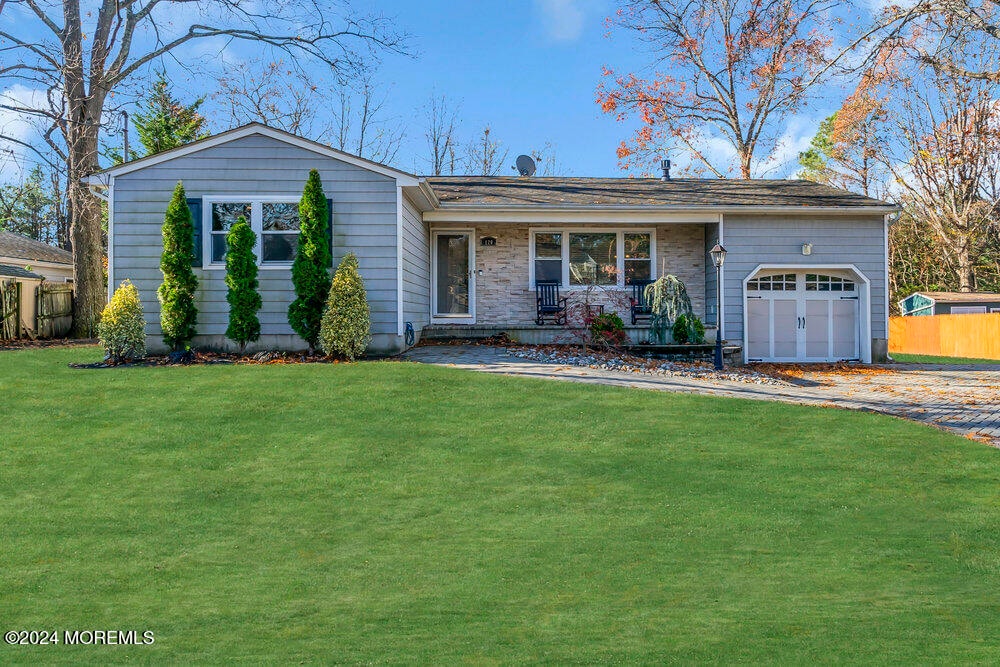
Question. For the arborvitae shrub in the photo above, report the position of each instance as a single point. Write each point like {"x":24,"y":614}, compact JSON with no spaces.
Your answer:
{"x":346,"y":324}
{"x":178,"y":314}
{"x":122,"y":327}
{"x":310,"y":271}
{"x":241,"y":279}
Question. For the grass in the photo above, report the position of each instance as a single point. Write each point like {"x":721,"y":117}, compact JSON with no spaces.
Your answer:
{"x":395,"y":513}
{"x":929,"y":359}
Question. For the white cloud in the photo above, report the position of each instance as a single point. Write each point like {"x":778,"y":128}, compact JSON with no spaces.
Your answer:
{"x":798,"y":133}
{"x":563,"y":19}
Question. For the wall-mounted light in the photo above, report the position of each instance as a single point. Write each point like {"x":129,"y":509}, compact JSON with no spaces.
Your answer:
{"x":807,"y":249}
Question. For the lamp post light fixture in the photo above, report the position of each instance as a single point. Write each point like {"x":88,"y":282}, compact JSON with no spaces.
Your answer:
{"x":718,"y":254}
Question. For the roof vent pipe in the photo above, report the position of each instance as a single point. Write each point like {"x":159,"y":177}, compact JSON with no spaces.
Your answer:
{"x":665,"y":165}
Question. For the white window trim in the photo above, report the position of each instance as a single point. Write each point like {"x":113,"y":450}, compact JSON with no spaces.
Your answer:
{"x":566,"y":231}
{"x":256,"y":223}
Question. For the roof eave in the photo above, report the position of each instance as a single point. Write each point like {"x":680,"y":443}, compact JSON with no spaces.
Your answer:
{"x":669,"y":208}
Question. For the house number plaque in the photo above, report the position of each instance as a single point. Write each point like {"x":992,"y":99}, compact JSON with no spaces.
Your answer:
{"x":488,"y":240}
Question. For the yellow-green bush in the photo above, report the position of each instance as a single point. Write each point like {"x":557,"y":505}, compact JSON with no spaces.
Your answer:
{"x":345,"y":328}
{"x":122,"y":327}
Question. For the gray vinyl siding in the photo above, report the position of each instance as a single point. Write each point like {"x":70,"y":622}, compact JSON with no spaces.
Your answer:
{"x":416,"y":268}
{"x":752,"y":240}
{"x":364,"y":221}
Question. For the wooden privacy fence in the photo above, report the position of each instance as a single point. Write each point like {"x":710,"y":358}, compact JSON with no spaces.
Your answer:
{"x":54,"y":310}
{"x":969,"y":336}
{"x":10,"y":309}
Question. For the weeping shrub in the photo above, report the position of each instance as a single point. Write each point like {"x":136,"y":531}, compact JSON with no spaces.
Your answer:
{"x":178,"y":314}
{"x":310,"y":272}
{"x":122,"y":327}
{"x":346,"y":323}
{"x":668,"y":299}
{"x":241,"y":279}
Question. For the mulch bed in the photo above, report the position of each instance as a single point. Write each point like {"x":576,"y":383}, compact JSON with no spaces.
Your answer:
{"x":26,"y":344}
{"x":208,"y":358}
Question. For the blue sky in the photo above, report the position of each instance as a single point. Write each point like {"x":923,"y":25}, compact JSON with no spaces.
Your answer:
{"x":527,"y":68}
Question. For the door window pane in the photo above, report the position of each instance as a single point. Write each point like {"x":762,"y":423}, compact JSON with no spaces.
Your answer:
{"x":593,"y":259}
{"x":452,"y":274}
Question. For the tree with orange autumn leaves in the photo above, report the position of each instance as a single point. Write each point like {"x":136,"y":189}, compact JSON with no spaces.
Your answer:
{"x":729,"y":69}
{"x":936,"y":132}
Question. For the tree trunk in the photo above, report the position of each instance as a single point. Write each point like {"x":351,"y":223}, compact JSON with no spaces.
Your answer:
{"x":966,"y":275}
{"x":88,"y":248}
{"x":85,"y":216}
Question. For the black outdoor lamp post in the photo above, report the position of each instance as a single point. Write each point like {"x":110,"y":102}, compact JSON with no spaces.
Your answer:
{"x":718,"y":254}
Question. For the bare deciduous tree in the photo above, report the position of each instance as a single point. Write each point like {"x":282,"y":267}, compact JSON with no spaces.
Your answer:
{"x":486,"y":156}
{"x":440,"y":132}
{"x":80,"y":57}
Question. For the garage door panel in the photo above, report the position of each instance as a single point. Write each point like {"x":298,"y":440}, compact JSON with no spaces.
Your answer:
{"x":845,"y":329}
{"x":817,"y":328}
{"x":785,"y":334}
{"x":758,"y":328}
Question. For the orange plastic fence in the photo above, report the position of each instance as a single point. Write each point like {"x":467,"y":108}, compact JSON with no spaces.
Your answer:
{"x":969,"y":336}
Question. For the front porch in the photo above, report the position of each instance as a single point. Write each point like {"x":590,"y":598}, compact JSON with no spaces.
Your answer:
{"x":483,"y":275}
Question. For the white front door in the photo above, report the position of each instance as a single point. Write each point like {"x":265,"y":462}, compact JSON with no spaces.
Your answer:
{"x":453,"y":277}
{"x":802,"y":317}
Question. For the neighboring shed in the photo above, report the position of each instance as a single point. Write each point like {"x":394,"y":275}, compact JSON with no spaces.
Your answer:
{"x":949,"y":303}
{"x":52,"y":263}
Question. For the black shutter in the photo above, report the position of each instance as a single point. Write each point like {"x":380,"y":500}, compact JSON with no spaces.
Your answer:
{"x":329,"y":227}
{"x":194,"y":205}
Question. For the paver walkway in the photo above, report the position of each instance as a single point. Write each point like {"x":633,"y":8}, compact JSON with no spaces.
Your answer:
{"x":964,"y":399}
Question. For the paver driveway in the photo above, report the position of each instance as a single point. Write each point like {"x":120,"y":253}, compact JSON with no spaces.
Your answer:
{"x":964,"y":399}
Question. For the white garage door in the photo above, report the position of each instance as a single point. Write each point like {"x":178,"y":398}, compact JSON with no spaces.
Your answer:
{"x":802,"y":317}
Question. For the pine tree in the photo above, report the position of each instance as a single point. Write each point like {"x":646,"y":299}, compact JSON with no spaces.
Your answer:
{"x":178,"y":314}
{"x":167,"y":123}
{"x":310,"y":271}
{"x":345,"y":330}
{"x":241,"y":279}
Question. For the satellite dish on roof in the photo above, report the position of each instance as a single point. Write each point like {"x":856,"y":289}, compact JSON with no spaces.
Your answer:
{"x":525,"y":165}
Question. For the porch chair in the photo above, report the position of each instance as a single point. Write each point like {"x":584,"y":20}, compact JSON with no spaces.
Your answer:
{"x":640,"y":307}
{"x":549,"y":302}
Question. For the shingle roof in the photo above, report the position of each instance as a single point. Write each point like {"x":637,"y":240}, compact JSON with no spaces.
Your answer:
{"x":639,"y":192}
{"x":8,"y":271}
{"x":961,"y":297}
{"x":21,"y":247}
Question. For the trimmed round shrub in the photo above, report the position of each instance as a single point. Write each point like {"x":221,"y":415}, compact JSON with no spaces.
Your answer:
{"x":122,"y":327}
{"x":688,"y":329}
{"x":608,"y":329}
{"x":346,"y":324}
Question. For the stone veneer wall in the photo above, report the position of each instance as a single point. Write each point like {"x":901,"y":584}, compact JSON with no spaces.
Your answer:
{"x":504,"y":297}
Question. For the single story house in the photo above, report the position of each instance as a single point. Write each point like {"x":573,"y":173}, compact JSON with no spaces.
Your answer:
{"x":52,"y":263}
{"x":949,"y":303}
{"x":804,"y":280}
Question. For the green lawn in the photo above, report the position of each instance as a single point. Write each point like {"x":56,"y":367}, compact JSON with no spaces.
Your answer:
{"x":927,"y":359}
{"x":394,"y":513}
